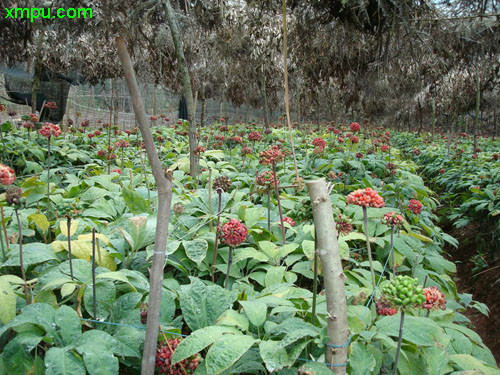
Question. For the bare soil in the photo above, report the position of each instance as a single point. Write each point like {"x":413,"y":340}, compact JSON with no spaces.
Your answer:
{"x":484,"y":286}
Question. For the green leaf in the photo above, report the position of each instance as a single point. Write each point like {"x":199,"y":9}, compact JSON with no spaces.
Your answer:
{"x":197,"y":341}
{"x":99,"y":361}
{"x":467,"y":362}
{"x":135,"y":202}
{"x":233,"y":319}
{"x":249,"y":252}
{"x":226,"y":351}
{"x":62,"y":362}
{"x":437,"y":360}
{"x":274,"y":275}
{"x":88,"y":340}
{"x":106,"y":294}
{"x":40,"y":221}
{"x":417,"y":330}
{"x":201,"y":305}
{"x":256,"y":312}
{"x":116,"y":276}
{"x":33,"y":253}
{"x":69,"y":324}
{"x":270,"y":249}
{"x":274,"y":355}
{"x":7,"y":302}
{"x":196,"y":250}
{"x":361,"y":360}
{"x":315,"y":368}
{"x":287,"y":249}
{"x":67,"y":289}
{"x":308,"y":248}
{"x":253,"y":215}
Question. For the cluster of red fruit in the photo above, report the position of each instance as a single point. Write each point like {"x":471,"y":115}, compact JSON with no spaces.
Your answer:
{"x":254,"y":136}
{"x":354,"y":139}
{"x":117,"y":170}
{"x":355,"y":127}
{"x":164,"y":360}
{"x":199,"y":150}
{"x":153,"y":118}
{"x":122,"y":144}
{"x":234,"y":232}
{"x":434,"y":299}
{"x":384,"y":148}
{"x":365,"y":198}
{"x":384,"y":307}
{"x":50,"y":105}
{"x":359,"y":155}
{"x":246,"y":151}
{"x":343,"y":225}
{"x":50,"y":130}
{"x":289,"y":220}
{"x":273,"y":155}
{"x":415,"y":206}
{"x":266,"y":178}
{"x":392,"y":219}
{"x":319,"y":142}
{"x":7,"y":175}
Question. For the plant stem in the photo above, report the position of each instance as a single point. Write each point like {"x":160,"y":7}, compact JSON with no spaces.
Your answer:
{"x":4,"y":227}
{"x":365,"y":225}
{"x":229,"y":262}
{"x":269,"y":209}
{"x":392,"y":251}
{"x":48,"y":179}
{"x":68,"y":223}
{"x":219,"y":192}
{"x":276,"y":188}
{"x":400,"y":340}
{"x":23,"y":274}
{"x":94,"y":291}
{"x":4,"y":255}
{"x":210,"y":225}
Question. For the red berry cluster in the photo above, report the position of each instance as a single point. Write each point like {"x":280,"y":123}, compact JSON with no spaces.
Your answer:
{"x":246,"y":151}
{"x":254,"y":136}
{"x":122,"y":144}
{"x":237,"y":139}
{"x":266,"y":178}
{"x":359,"y":155}
{"x":495,"y":156}
{"x":117,"y":170}
{"x":7,"y":175}
{"x":153,"y":118}
{"x":319,"y":142}
{"x":91,"y":135}
{"x":434,"y":299}
{"x":415,"y":206}
{"x":199,"y":150}
{"x":33,"y":117}
{"x":416,"y":151}
{"x":234,"y":232}
{"x":384,"y":148}
{"x":50,"y":105}
{"x":343,"y":225}
{"x":354,"y":139}
{"x":365,"y":198}
{"x":164,"y":360}
{"x":289,"y":220}
{"x":392,"y":219}
{"x":219,"y":137}
{"x":384,"y":307}
{"x":144,"y":313}
{"x":355,"y":127}
{"x":273,"y":155}
{"x":50,"y":130}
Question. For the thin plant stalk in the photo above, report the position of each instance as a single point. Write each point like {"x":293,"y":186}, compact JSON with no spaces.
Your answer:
{"x":210,"y":225}
{"x":276,"y":188}
{"x":229,"y":262}
{"x":4,"y":255}
{"x":48,"y":177}
{"x":365,"y":225}
{"x":4,"y":227}
{"x":94,"y":291}
{"x":392,"y":251}
{"x":400,"y":340}
{"x":70,"y":257}
{"x":214,"y":260}
{"x":269,"y":209}
{"x":23,"y":274}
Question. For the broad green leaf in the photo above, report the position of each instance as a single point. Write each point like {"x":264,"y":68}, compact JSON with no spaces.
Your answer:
{"x":417,"y":330}
{"x":105,"y":296}
{"x":67,"y":289}
{"x":100,"y":362}
{"x":196,"y":250}
{"x":256,"y":312}
{"x":89,"y":339}
{"x":132,"y":338}
{"x":68,"y":323}
{"x":274,"y":275}
{"x":361,"y":360}
{"x":62,"y":362}
{"x":253,"y":215}
{"x":40,"y":221}
{"x":226,"y":351}
{"x":7,"y":302}
{"x":270,"y":249}
{"x":249,"y":252}
{"x":117,"y":276}
{"x":33,"y":253}
{"x":197,"y":341}
{"x":233,"y":319}
{"x":63,"y":225}
{"x":287,"y":249}
{"x":308,"y":248}
{"x":467,"y":362}
{"x":135,"y":202}
{"x":273,"y":354}
{"x":437,"y":360}
{"x":343,"y":250}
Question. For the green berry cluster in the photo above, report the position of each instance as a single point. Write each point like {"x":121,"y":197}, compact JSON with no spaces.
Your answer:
{"x":404,"y":291}
{"x":68,"y":208}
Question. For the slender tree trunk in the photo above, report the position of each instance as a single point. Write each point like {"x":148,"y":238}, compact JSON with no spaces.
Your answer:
{"x":154,"y":100}
{"x":37,"y":76}
{"x":164,"y":184}
{"x":287,"y":98}
{"x":478,"y":103}
{"x":328,"y":250}
{"x":263,"y":94}
{"x":203,"y":106}
{"x":186,"y":83}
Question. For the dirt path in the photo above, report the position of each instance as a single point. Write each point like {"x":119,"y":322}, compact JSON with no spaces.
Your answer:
{"x":485,"y":287}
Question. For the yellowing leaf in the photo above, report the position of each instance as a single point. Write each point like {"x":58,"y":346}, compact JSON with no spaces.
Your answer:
{"x":88,"y":237}
{"x":59,"y":246}
{"x":40,"y":221}
{"x":63,"y":225}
